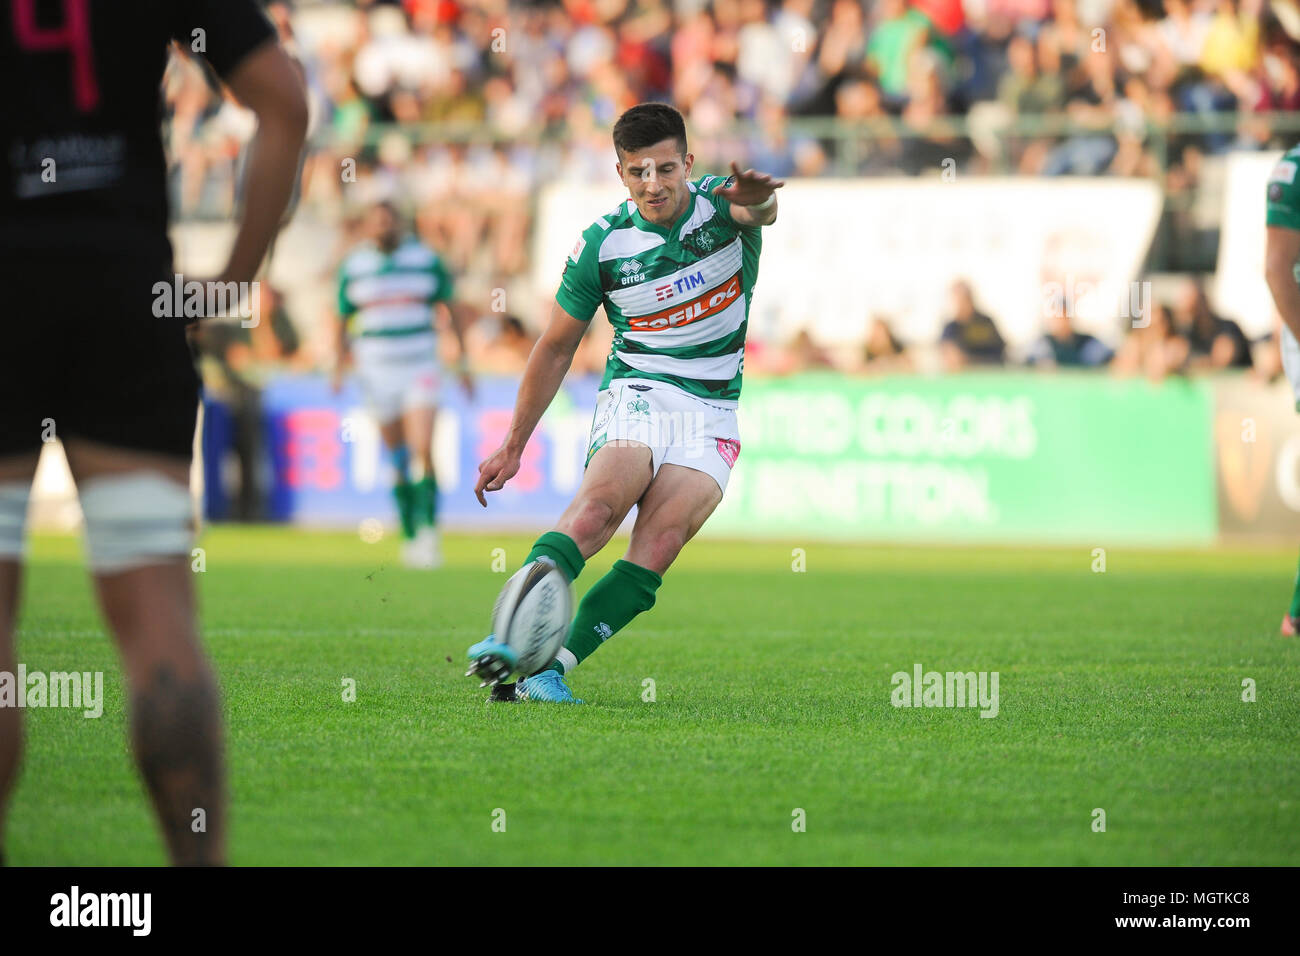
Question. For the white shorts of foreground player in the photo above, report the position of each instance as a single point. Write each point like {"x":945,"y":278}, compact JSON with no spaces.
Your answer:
{"x":679,"y":429}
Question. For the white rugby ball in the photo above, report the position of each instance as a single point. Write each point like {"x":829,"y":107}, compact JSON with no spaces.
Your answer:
{"x":532,"y":615}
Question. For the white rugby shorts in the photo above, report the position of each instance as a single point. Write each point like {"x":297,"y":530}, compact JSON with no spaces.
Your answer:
{"x":391,"y":388}
{"x":678,"y":428}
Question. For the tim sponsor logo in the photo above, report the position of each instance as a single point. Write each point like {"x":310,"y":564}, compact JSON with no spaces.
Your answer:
{"x":678,"y":286}
{"x":74,"y":908}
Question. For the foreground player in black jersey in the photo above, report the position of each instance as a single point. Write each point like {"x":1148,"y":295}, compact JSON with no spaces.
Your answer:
{"x":86,"y":356}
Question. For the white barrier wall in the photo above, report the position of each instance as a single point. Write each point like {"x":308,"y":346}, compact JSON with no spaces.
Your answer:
{"x":843,"y":250}
{"x":1240,"y":291}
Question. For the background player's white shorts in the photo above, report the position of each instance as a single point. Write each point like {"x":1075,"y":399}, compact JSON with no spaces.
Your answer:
{"x":1291,"y":362}
{"x":390,"y":388}
{"x":680,"y":429}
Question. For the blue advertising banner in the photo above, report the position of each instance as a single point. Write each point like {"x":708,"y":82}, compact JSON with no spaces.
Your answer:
{"x":327,"y":465}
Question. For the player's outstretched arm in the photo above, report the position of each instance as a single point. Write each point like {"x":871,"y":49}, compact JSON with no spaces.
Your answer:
{"x":460,"y":317}
{"x":1280,"y":257}
{"x":341,"y":353}
{"x":267,"y":82}
{"x":547,"y":364}
{"x":752,"y":196}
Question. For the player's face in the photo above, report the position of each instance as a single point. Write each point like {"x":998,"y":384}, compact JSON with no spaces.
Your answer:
{"x":381,"y":226}
{"x":656,"y":178}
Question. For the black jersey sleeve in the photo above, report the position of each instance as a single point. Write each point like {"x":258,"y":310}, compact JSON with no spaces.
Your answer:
{"x":222,"y":31}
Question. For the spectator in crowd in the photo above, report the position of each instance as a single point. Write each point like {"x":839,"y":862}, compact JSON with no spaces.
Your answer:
{"x":882,"y":352}
{"x":1063,"y":346}
{"x":1213,"y":343}
{"x":900,"y":32}
{"x":858,"y":101}
{"x":801,"y":354}
{"x":1155,"y":350}
{"x":506,"y":352}
{"x":1231,"y":48}
{"x":1023,"y":89}
{"x":1090,"y":103}
{"x":970,"y":337}
{"x":926,"y":114}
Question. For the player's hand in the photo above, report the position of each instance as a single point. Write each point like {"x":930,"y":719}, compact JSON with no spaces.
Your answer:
{"x":748,"y":188}
{"x":494,"y":471}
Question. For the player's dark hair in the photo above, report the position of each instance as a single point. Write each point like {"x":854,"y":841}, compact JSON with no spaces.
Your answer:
{"x":646,"y":124}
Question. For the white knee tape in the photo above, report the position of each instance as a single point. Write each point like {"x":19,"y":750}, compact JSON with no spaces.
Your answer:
{"x":134,"y":519}
{"x":13,"y":516}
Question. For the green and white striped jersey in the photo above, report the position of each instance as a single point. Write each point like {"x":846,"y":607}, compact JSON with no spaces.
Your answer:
{"x":677,"y":297}
{"x":388,"y":298}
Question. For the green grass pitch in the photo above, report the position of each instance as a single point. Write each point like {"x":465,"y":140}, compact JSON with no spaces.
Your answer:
{"x":1119,"y":690}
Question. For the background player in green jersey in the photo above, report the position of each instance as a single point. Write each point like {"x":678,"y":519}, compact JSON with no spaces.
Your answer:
{"x":389,"y":289}
{"x":674,"y":267}
{"x":1283,"y":274}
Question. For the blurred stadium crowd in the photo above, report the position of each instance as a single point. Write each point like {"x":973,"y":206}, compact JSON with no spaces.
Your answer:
{"x":461,"y":109}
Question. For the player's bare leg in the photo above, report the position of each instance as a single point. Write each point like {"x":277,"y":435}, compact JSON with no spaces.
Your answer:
{"x":15,"y":473}
{"x":616,"y":477}
{"x":392,"y":433}
{"x":175,"y":709}
{"x":417,"y":425}
{"x":674,"y":508}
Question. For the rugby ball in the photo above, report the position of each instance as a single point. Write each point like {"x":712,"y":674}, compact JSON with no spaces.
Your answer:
{"x":532,"y":615}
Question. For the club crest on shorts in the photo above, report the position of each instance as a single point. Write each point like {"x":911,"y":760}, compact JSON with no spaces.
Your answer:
{"x":639,"y":407}
{"x":729,"y":449}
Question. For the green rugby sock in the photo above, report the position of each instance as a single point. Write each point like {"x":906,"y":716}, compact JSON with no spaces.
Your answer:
{"x":1295,"y":597}
{"x":426,"y":496}
{"x":622,"y":594}
{"x":404,"y":493}
{"x":562,"y":552}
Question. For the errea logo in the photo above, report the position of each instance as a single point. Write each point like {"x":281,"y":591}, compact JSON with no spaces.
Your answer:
{"x":631,"y":269}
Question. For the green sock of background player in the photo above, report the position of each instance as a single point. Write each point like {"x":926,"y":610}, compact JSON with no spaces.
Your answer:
{"x":404,"y":493}
{"x":1295,"y":597}
{"x":426,"y":497}
{"x":622,"y":594}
